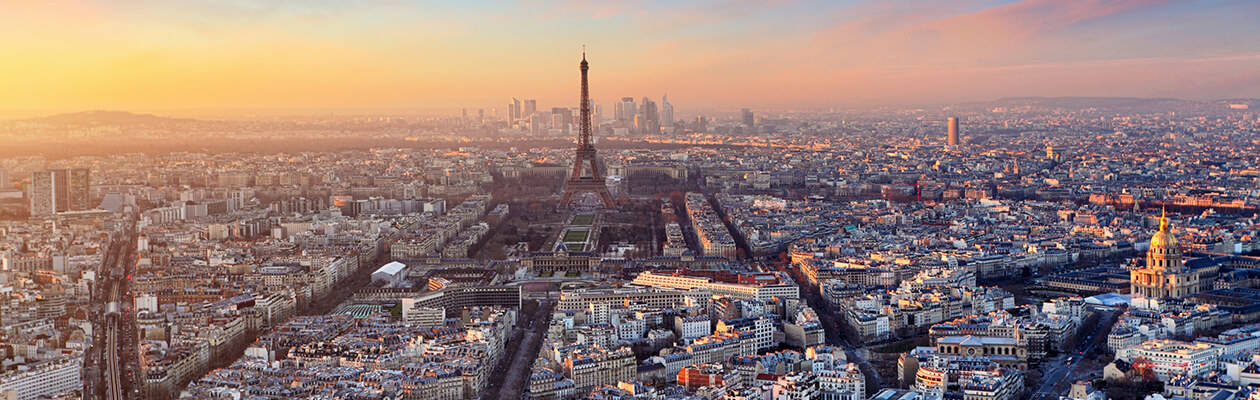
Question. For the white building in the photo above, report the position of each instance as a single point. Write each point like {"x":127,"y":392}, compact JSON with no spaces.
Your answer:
{"x":49,"y":378}
{"x":389,"y":273}
{"x":763,"y":329}
{"x":428,"y":317}
{"x":842,"y":384}
{"x":1169,"y":358}
{"x":146,"y":302}
{"x":796,"y":386}
{"x":692,"y":327}
{"x":630,"y":328}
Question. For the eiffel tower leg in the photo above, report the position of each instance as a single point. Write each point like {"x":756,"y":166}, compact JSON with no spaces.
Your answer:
{"x":595,"y":172}
{"x":577,"y":168}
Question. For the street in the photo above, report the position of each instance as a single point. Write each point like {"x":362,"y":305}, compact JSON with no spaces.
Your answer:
{"x":1059,"y":370}
{"x":114,"y":346}
{"x":831,"y":327}
{"x":516,"y":365}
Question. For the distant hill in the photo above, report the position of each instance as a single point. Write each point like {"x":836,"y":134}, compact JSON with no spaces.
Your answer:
{"x":1095,"y":102}
{"x":1240,"y":104}
{"x":99,"y":117}
{"x":1113,"y":105}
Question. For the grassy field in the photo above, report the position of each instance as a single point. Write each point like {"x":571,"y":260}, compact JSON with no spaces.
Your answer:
{"x":575,"y":235}
{"x":583,"y":220}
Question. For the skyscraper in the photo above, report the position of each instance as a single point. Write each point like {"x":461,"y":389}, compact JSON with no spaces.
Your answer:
{"x":667,"y":112}
{"x":651,"y":119}
{"x":539,"y":123}
{"x":561,"y":117}
{"x":80,"y":189}
{"x":59,"y":190}
{"x":514,"y":110}
{"x":557,"y":119}
{"x":42,"y":193}
{"x":952,"y":139}
{"x":4,"y":179}
{"x":628,"y":109}
{"x":747,"y":117}
{"x":531,"y":107}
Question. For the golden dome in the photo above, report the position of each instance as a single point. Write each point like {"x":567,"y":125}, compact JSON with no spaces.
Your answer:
{"x":1164,"y":238}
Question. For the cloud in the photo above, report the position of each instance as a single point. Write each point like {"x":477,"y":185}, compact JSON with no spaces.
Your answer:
{"x":1021,"y":20}
{"x":955,"y":33}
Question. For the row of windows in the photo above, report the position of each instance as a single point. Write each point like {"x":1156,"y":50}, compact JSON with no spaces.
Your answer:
{"x":1003,"y":351}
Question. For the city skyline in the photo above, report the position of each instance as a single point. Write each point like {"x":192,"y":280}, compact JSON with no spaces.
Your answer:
{"x":239,"y":58}
{"x":852,"y":200}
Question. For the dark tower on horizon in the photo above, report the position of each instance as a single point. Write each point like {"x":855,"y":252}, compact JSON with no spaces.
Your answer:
{"x":580,"y":182}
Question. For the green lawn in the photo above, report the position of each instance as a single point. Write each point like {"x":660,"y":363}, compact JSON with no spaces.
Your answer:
{"x":575,"y":235}
{"x":583,"y":220}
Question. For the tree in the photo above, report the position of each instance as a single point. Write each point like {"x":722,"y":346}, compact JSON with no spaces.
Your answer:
{"x":784,"y":257}
{"x":1142,"y":370}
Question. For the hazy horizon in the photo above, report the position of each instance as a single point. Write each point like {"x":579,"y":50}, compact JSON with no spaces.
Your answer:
{"x":235,"y":55}
{"x":282,"y":112}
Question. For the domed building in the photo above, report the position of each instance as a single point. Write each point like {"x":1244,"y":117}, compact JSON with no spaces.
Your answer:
{"x":1165,"y":274}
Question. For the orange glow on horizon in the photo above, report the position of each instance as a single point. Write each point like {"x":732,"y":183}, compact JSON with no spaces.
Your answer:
{"x":78,"y":55}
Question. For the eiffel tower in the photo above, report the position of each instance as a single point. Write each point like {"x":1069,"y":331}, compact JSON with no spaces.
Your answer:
{"x":579,"y":181}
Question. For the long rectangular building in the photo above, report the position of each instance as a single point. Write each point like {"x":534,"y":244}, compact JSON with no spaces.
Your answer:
{"x":761,"y":292}
{"x":577,"y":300}
{"x":50,"y":378}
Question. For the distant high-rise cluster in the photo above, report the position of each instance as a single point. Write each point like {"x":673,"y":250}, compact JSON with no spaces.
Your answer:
{"x":952,"y":138}
{"x":59,"y":190}
{"x":635,"y":116}
{"x":746,"y":116}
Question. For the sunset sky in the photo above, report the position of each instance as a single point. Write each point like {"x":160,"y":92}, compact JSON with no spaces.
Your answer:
{"x":164,"y":55}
